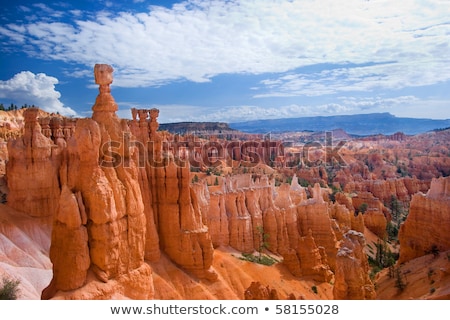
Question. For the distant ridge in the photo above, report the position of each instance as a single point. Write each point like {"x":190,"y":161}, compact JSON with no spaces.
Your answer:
{"x":359,"y":124}
{"x":193,"y":127}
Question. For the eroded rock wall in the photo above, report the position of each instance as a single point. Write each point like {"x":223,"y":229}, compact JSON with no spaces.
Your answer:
{"x":427,"y":226}
{"x":32,"y":170}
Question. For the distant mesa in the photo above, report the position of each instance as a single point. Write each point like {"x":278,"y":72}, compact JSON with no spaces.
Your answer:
{"x":358,"y":124}
{"x":192,"y":127}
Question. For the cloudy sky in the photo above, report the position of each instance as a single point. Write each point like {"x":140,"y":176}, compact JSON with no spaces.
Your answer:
{"x":230,"y":60}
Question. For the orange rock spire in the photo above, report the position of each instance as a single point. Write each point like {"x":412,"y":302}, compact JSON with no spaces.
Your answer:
{"x":104,"y":77}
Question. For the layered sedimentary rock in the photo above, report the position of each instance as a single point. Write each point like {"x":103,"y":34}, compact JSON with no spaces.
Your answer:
{"x":69,"y":251}
{"x":312,"y":259}
{"x":243,"y":211}
{"x":314,"y":217}
{"x":176,"y":209}
{"x":24,"y":251}
{"x":217,"y":219}
{"x":345,"y":219}
{"x":253,"y":209}
{"x":257,"y":291}
{"x":402,"y":188}
{"x":374,"y":213}
{"x":33,"y":157}
{"x":427,"y":226}
{"x":183,"y":236}
{"x":100,"y":223}
{"x":351,"y":275}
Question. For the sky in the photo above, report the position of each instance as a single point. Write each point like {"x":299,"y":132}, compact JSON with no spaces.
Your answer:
{"x":230,"y":60}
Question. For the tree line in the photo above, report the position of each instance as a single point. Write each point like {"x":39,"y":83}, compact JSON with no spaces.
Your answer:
{"x":13,"y":106}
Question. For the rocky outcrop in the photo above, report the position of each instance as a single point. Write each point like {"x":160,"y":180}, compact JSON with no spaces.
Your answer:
{"x":374,"y":213}
{"x":34,"y":157}
{"x":100,"y":223}
{"x":314,"y":218}
{"x":345,"y":219}
{"x":217,"y":219}
{"x":257,"y":291}
{"x":402,"y":189}
{"x":253,"y":207}
{"x":312,"y":259}
{"x":183,"y":235}
{"x":24,"y":251}
{"x":427,"y":226}
{"x":177,"y":211}
{"x":69,"y":251}
{"x":352,"y":269}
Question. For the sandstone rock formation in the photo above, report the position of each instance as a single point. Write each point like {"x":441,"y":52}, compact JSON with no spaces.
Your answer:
{"x":402,"y":188}
{"x":351,"y":276}
{"x":100,"y":223}
{"x":257,"y":291}
{"x":427,"y":226}
{"x":24,"y":251}
{"x":33,"y":157}
{"x":375,"y":215}
{"x":121,"y":200}
{"x":314,"y":218}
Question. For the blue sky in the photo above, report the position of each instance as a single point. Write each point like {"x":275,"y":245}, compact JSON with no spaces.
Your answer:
{"x":230,"y":60}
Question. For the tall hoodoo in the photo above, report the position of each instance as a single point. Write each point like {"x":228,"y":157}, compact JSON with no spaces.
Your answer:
{"x":101,"y":211}
{"x":103,"y":74}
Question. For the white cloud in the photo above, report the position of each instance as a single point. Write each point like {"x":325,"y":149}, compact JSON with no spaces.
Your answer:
{"x":24,"y":8}
{"x":377,"y":102}
{"x":38,"y":89}
{"x":181,"y":113}
{"x":391,"y":75}
{"x":402,"y":106}
{"x":197,"y":40}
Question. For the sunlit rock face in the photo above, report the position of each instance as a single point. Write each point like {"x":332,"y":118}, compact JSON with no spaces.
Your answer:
{"x":100,"y":223}
{"x":32,"y":169}
{"x":427,"y":226}
{"x":352,"y":269}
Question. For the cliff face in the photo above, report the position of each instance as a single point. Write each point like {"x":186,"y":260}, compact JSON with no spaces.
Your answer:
{"x":307,"y":234}
{"x":34,"y":157}
{"x":24,"y":250}
{"x":352,"y":269}
{"x":375,"y":214}
{"x":183,"y":236}
{"x":100,"y":225}
{"x":427,"y":226}
{"x":402,"y":188}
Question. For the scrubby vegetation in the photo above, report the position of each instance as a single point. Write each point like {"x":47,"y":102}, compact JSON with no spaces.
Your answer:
{"x":9,"y":290}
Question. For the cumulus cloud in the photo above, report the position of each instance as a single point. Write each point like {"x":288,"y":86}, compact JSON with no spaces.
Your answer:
{"x":34,"y":89}
{"x":390,"y":75}
{"x":386,"y":44}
